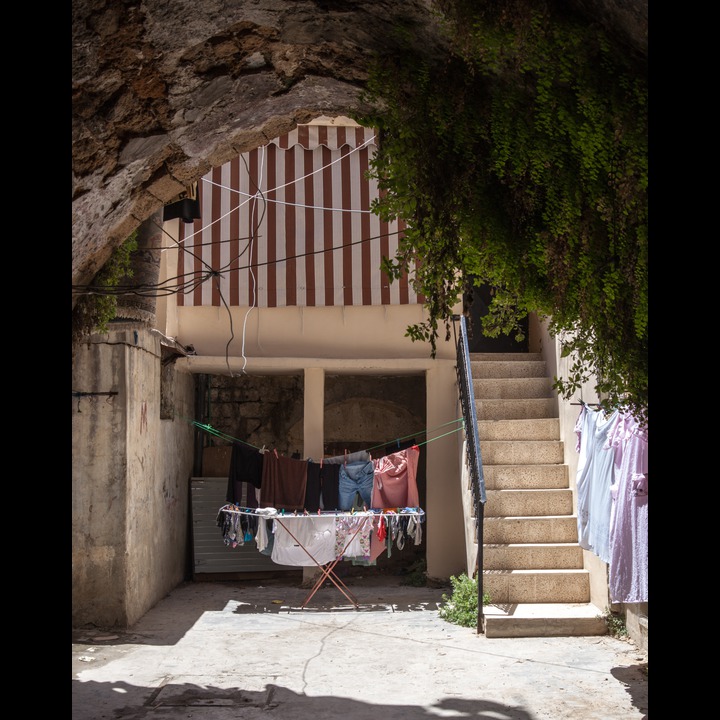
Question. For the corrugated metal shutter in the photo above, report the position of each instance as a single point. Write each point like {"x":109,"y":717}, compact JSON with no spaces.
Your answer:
{"x":210,"y":554}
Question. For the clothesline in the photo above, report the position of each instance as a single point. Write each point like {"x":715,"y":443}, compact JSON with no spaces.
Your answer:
{"x":224,"y":436}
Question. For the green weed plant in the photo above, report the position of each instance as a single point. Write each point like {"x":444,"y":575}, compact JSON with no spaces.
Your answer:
{"x":461,"y":608}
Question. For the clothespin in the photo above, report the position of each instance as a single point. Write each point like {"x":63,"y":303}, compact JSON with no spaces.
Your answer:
{"x":398,"y":442}
{"x":345,"y":456}
{"x":275,"y":451}
{"x":263,"y":449}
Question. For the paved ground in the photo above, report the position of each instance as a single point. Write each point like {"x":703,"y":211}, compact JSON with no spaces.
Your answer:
{"x":247,"y":650}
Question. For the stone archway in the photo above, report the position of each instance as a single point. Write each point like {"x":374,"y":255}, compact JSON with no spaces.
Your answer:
{"x":162,"y":93}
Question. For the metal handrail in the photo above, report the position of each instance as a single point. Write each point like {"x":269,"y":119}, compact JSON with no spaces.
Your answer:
{"x":473,"y":455}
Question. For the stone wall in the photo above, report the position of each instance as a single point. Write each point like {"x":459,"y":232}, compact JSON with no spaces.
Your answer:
{"x":130,"y":479}
{"x":360,"y":412}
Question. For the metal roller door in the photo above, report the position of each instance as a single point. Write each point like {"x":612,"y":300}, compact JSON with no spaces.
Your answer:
{"x":210,"y":554}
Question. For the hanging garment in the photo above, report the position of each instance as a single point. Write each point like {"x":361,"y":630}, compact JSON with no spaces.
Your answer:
{"x":303,"y":540}
{"x":359,"y":546}
{"x":628,"y":571}
{"x":595,"y":475}
{"x":395,"y":480}
{"x":359,"y":456}
{"x":284,"y":482}
{"x":354,"y":478}
{"x":263,"y":535}
{"x":414,"y":529}
{"x":312,"y":488}
{"x":329,"y":486}
{"x":233,"y":527}
{"x":377,"y":539}
{"x":246,"y":465}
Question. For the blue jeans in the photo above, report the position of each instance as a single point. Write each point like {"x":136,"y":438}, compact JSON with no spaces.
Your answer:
{"x":355,"y":477}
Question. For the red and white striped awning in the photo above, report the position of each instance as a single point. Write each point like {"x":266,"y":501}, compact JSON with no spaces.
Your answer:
{"x":289,"y":224}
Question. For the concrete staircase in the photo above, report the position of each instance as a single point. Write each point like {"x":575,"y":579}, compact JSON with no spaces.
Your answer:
{"x":532,"y":563}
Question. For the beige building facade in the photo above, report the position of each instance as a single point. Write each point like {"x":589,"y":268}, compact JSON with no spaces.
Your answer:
{"x":235,"y":309}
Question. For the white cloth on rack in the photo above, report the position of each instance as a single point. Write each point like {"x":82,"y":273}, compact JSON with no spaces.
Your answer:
{"x":304,"y":540}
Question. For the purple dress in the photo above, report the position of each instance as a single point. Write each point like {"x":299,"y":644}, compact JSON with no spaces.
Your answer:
{"x":628,"y":571}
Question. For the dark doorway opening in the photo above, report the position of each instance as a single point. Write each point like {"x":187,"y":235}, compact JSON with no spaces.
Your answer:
{"x":477,"y":303}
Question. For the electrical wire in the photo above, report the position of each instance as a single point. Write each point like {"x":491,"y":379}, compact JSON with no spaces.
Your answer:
{"x":190,"y":281}
{"x":163,"y":289}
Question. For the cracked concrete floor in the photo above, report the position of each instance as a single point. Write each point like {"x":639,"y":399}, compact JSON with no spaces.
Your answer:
{"x":247,"y":650}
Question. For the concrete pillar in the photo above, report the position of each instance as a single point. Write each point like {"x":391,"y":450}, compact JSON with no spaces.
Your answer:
{"x":314,"y":413}
{"x":313,"y":431}
{"x":444,"y":525}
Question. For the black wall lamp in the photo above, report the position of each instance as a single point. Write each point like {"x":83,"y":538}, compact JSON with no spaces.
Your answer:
{"x":187,"y":207}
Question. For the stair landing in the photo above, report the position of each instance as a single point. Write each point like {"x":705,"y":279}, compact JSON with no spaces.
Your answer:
{"x":543,"y":620}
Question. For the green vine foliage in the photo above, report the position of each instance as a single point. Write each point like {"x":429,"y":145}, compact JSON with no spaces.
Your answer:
{"x":519,"y":160}
{"x":95,"y":310}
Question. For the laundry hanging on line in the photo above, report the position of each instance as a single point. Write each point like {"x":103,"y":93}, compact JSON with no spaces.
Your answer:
{"x":292,"y":484}
{"x":612,"y":492}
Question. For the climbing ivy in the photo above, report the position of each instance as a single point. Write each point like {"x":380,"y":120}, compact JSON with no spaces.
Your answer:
{"x":93,"y":311}
{"x":519,"y":160}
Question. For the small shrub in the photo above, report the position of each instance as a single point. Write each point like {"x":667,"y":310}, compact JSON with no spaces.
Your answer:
{"x":461,"y":608}
{"x":615,"y":624}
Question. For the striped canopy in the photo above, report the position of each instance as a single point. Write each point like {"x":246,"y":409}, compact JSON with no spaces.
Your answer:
{"x":289,"y":224}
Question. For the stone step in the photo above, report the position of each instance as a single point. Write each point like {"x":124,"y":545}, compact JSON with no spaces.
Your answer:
{"x":532,"y":556}
{"x":529,"y":503}
{"x":508,"y":369}
{"x":543,"y":620}
{"x":532,"y":563}
{"x":521,"y":452}
{"x":513,"y":388}
{"x":512,"y":409}
{"x":535,"y":429}
{"x":530,"y":529}
{"x":537,"y":586}
{"x":505,"y":357}
{"x":525,"y":477}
